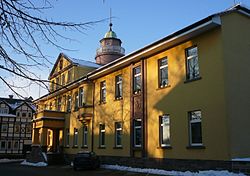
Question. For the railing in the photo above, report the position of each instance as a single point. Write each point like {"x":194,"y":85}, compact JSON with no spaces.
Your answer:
{"x":107,"y":49}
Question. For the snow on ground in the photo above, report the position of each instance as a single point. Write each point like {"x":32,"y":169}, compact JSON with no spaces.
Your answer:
{"x":174,"y":173}
{"x":241,"y":159}
{"x":5,"y":160}
{"x":39,"y":164}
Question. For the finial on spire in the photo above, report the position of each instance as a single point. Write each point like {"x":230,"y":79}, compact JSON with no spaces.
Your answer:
{"x":110,"y":22}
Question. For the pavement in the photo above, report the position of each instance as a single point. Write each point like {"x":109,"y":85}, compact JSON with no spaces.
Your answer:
{"x":15,"y":169}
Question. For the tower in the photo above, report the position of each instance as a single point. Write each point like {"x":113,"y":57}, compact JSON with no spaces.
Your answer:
{"x":110,"y":48}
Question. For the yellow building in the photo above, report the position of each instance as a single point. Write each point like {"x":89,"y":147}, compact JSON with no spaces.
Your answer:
{"x":182,"y":99}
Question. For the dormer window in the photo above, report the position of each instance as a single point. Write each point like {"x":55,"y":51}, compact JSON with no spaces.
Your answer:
{"x":3,"y":110}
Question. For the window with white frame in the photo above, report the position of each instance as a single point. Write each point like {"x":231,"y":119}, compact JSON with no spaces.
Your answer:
{"x":75,"y":141}
{"x":102,"y":135}
{"x":67,"y":137}
{"x":165,"y":130}
{"x":4,"y":128}
{"x":85,"y":136}
{"x":103,"y":92}
{"x":3,"y":145}
{"x":118,"y":134}
{"x":137,"y":133}
{"x":137,"y":79}
{"x":4,"y":111}
{"x":195,"y":132}
{"x":163,"y":72}
{"x":81,"y":97}
{"x":192,"y":64}
{"x":118,"y":87}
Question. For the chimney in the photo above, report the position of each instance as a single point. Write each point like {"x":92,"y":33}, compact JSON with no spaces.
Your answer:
{"x":11,"y":96}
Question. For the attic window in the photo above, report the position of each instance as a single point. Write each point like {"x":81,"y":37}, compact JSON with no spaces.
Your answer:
{"x":3,"y":110}
{"x":61,"y":64}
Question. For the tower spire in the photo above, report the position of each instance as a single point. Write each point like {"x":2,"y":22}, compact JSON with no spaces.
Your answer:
{"x":110,"y":20}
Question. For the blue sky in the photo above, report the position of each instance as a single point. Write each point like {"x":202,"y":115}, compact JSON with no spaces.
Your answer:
{"x":136,"y":23}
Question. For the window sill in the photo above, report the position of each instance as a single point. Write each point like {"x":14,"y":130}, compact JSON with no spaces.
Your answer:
{"x":137,"y":148}
{"x":102,"y":147}
{"x":137,"y":92}
{"x":118,"y":147}
{"x":191,"y":80}
{"x":118,"y":99}
{"x":195,"y":147}
{"x":102,"y":102}
{"x":75,"y":146}
{"x":165,"y":147}
{"x":163,"y":87}
{"x":84,"y":147}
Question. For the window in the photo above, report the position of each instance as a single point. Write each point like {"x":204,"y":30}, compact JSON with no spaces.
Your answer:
{"x":15,"y":145}
{"x":61,"y":65}
{"x":9,"y":145}
{"x":69,"y":103}
{"x":102,"y":135}
{"x":18,"y":114}
{"x":63,"y":79}
{"x":3,"y":110}
{"x":103,"y":92}
{"x":69,"y":76}
{"x":58,"y":83}
{"x":67,"y":137}
{"x":164,"y":130}
{"x":59,"y":103}
{"x":75,"y":143}
{"x":118,"y":87}
{"x":163,"y":72}
{"x":28,"y":128}
{"x":85,"y":136}
{"x":4,"y":128}
{"x":29,"y":114}
{"x":137,"y":80}
{"x":52,"y":85}
{"x":195,"y":135}
{"x":17,"y":128}
{"x":118,"y":134}
{"x":137,"y":133}
{"x":192,"y":63}
{"x":50,"y":106}
{"x":76,"y":101}
{"x":81,"y":97}
{"x":3,"y":145}
{"x":24,"y":114}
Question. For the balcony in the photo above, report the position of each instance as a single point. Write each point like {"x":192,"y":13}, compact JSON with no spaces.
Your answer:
{"x":110,"y":49}
{"x":49,"y":119}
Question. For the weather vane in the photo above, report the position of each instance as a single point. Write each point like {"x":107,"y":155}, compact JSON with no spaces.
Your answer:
{"x":110,"y":18}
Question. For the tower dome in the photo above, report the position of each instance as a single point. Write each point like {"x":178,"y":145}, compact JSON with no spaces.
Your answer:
{"x":110,"y":48}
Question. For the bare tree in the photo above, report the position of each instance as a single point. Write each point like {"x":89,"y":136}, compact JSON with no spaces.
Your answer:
{"x":20,"y":29}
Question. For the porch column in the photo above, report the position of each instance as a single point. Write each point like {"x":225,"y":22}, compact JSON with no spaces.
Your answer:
{"x":35,"y":136}
{"x":44,"y":139}
{"x":55,"y":144}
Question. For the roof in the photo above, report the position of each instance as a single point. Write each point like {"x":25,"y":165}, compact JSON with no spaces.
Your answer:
{"x":110,"y":34}
{"x":83,"y":63}
{"x":15,"y":103}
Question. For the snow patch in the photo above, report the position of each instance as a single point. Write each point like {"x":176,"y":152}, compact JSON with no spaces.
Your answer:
{"x":5,"y":160}
{"x":45,"y":156}
{"x":39,"y":164}
{"x":173,"y":173}
{"x":241,"y":159}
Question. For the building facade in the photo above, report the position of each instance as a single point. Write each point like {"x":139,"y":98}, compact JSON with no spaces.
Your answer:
{"x":16,"y":125}
{"x":182,"y":98}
